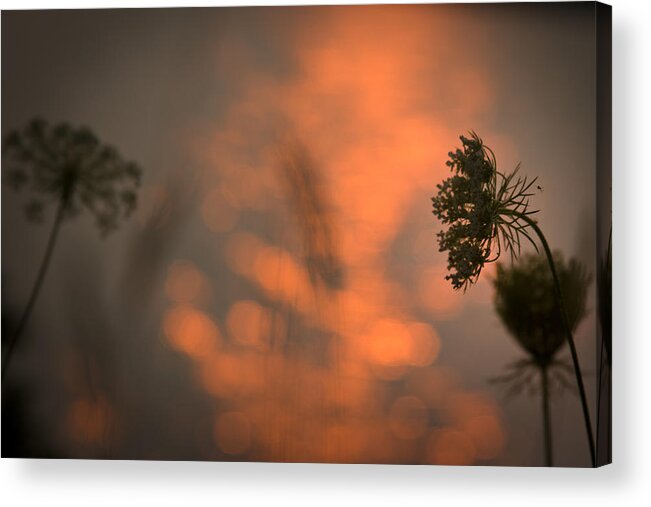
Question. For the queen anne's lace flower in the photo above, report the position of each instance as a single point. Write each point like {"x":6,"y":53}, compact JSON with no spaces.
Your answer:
{"x":526,"y":302}
{"x":483,"y":209}
{"x":70,"y":166}
{"x":487,"y":212}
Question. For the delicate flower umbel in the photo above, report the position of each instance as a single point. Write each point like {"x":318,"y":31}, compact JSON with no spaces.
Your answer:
{"x":70,"y":166}
{"x":484,"y":209}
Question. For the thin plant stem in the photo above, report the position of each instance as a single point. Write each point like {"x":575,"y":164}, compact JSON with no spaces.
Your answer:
{"x":547,"y":422}
{"x":36,"y":288}
{"x":568,"y":331}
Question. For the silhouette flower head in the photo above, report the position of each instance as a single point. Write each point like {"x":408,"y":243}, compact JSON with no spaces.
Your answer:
{"x":70,"y":166}
{"x":484,"y":209}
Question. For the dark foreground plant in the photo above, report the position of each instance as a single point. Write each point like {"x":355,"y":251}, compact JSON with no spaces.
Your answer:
{"x":69,"y":168}
{"x":487,"y":212}
{"x":526,"y":303}
{"x":604,"y":357}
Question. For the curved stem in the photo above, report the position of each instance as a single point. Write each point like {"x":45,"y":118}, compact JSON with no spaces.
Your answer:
{"x":547,"y":422}
{"x":568,"y":332}
{"x":37,"y":287}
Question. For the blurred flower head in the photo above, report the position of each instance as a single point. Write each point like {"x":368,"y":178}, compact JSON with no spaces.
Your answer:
{"x":69,"y":166}
{"x":483,"y":210}
{"x":526,"y":303}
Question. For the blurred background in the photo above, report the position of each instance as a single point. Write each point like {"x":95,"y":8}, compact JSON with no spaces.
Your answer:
{"x":278,"y":294}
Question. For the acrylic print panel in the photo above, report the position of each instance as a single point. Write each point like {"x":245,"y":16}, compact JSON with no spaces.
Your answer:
{"x":298,"y":234}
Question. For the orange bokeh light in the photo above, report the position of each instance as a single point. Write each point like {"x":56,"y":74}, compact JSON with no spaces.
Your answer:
{"x":240,"y":252}
{"x":389,"y":343}
{"x":184,"y":283}
{"x":232,"y":375}
{"x":191,"y":331}
{"x":90,"y":420}
{"x":250,"y":324}
{"x":219,"y":210}
{"x":450,"y":447}
{"x":425,"y":344}
{"x":478,"y":417}
{"x":487,"y":435}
